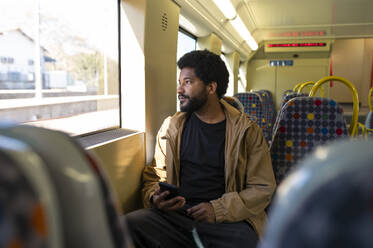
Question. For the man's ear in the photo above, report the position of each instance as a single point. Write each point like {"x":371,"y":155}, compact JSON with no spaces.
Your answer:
{"x":211,"y":88}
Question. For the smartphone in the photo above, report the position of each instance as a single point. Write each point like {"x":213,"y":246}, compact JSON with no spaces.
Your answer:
{"x":174,"y":191}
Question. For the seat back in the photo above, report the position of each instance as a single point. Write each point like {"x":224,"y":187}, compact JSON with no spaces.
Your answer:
{"x":285,"y":98}
{"x":253,"y":106}
{"x":289,"y":96}
{"x":29,"y":215}
{"x":326,"y":201}
{"x":269,"y":107}
{"x":287,"y":92}
{"x":303,"y":124}
{"x":88,"y":213}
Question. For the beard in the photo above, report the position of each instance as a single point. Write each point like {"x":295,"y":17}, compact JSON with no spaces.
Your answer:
{"x":194,"y":103}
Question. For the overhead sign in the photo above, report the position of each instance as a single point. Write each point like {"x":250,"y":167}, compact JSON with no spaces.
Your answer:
{"x":281,"y":63}
{"x":307,"y":44}
{"x":297,"y":46}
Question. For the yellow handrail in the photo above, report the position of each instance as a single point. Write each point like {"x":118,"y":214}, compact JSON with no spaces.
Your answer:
{"x":304,"y":85}
{"x":370,"y":99}
{"x":297,"y":85}
{"x":355,"y":113}
{"x":310,"y":83}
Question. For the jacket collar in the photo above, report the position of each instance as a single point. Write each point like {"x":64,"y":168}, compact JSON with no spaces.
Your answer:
{"x":234,"y":118}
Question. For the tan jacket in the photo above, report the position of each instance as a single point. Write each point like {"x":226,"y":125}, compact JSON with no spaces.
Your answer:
{"x":249,"y":179}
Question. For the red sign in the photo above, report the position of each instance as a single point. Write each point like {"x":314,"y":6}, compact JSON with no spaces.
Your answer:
{"x":308,"y":44}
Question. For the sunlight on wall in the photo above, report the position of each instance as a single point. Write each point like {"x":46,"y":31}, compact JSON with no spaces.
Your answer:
{"x":133,"y":75}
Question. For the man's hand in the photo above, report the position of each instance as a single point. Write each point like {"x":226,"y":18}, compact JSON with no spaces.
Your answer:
{"x":202,"y":212}
{"x":167,"y":205}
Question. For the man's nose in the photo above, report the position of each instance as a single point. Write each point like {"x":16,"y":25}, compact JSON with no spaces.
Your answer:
{"x":180,"y":89}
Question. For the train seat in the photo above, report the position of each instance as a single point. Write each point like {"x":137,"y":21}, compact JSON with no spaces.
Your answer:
{"x":29,"y":214}
{"x":286,"y":92}
{"x":285,"y":98}
{"x":289,"y":96}
{"x":234,"y":102}
{"x":303,"y":124}
{"x":269,"y":108}
{"x":326,"y":201}
{"x":253,"y":106}
{"x":88,"y":213}
{"x":369,"y":120}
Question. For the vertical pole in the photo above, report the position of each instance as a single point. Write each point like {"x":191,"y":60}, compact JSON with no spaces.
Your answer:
{"x":37,"y":64}
{"x":105,"y":74}
{"x":331,"y":71}
{"x":371,"y":75}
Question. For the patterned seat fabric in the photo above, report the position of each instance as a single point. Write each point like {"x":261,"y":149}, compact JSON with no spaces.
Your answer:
{"x":253,"y":106}
{"x":304,"y":123}
{"x":289,"y":96}
{"x":269,"y":107}
{"x":287,"y":92}
{"x":234,"y":102}
{"x":285,"y":98}
{"x":22,"y":219}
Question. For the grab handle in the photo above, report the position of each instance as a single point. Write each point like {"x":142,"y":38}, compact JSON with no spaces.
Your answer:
{"x":355,"y":113}
{"x":309,"y":83}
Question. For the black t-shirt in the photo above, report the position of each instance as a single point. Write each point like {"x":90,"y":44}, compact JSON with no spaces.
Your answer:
{"x":202,"y":160}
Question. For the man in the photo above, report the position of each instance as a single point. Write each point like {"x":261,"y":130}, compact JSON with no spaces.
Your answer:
{"x":218,"y":158}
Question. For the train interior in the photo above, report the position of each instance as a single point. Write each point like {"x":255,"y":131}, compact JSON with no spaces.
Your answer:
{"x":303,"y":70}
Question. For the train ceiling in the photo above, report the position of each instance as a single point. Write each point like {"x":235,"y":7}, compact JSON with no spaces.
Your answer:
{"x":280,"y":20}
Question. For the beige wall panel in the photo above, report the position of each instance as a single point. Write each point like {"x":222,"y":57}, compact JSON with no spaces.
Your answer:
{"x":162,"y":25}
{"x":123,"y":161}
{"x":261,"y":76}
{"x":149,"y":44}
{"x":347,"y":56}
{"x":289,"y":76}
{"x":211,"y":42}
{"x":277,"y":79}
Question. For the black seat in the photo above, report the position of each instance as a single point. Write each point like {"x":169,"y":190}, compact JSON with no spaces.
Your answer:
{"x":327,"y":201}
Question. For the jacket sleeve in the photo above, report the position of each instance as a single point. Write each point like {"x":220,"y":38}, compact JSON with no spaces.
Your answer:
{"x":259,"y":182}
{"x":156,"y":171}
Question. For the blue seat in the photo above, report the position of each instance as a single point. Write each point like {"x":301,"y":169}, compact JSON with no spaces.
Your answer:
{"x":327,"y":201}
{"x":304,"y":123}
{"x":289,"y":96}
{"x":254,"y":106}
{"x":269,"y":107}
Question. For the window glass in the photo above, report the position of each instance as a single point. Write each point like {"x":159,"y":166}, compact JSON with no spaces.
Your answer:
{"x":185,"y":43}
{"x":59,"y":64}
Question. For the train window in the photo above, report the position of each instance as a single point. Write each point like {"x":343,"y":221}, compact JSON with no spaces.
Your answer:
{"x":185,"y":43}
{"x":59,"y":64}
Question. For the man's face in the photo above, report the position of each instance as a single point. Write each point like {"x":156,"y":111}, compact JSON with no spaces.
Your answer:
{"x":191,"y":92}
